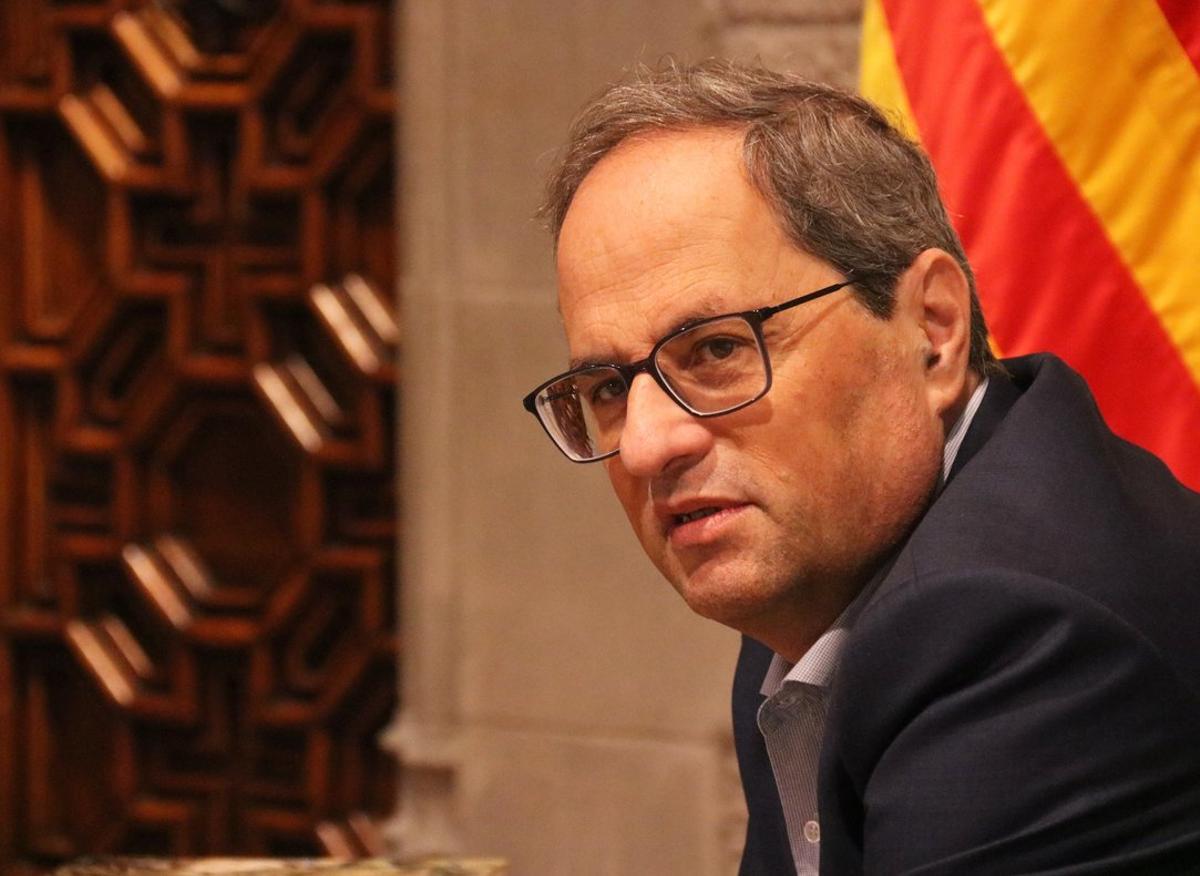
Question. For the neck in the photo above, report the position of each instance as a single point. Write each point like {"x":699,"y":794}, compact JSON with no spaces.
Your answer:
{"x":791,"y":630}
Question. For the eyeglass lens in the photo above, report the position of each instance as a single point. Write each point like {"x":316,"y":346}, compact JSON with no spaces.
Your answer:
{"x":710,"y":368}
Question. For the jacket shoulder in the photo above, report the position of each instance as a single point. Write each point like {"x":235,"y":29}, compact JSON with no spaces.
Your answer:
{"x":1004,"y":722}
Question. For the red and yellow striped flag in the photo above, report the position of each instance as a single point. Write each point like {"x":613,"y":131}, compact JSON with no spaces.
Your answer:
{"x":1066,"y":136}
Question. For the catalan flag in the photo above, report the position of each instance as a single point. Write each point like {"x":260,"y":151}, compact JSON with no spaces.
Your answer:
{"x":1066,"y":136}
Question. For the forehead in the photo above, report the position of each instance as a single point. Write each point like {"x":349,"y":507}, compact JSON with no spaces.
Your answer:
{"x":664,"y":228}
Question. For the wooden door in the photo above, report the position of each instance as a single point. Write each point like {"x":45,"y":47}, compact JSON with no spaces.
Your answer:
{"x":197,"y":527}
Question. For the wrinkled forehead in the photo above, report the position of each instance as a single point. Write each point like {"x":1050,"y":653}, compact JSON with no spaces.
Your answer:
{"x":665,"y":221}
{"x":656,"y":182}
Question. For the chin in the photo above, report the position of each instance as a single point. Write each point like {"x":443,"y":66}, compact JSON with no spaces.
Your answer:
{"x":727,"y":599}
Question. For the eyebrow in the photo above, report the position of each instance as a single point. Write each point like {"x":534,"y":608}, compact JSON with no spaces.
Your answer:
{"x":704,"y":308}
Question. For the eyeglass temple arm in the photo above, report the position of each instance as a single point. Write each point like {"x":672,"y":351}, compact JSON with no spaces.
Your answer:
{"x":767,"y":312}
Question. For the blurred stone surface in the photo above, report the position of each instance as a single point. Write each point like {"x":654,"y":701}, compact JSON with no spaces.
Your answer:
{"x":826,"y":52}
{"x":282,"y":867}
{"x":809,"y":11}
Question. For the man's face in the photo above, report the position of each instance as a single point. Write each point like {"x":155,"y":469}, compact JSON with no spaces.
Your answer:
{"x":805,"y":491}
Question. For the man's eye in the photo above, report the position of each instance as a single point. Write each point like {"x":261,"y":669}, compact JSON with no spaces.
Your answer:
{"x":716,"y":349}
{"x":607,"y":392}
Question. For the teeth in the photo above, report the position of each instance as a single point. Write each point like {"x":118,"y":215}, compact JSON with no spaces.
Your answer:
{"x":696,"y":515}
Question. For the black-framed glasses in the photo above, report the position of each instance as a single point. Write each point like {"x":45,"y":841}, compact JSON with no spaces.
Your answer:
{"x":711,"y":366}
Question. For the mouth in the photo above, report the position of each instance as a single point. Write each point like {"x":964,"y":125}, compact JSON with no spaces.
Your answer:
{"x":680,"y":519}
{"x":704,"y":524}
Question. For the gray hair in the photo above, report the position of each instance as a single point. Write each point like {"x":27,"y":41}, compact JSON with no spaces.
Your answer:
{"x":848,"y":187}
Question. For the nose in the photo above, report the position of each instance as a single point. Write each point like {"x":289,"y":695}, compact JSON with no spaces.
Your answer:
{"x":658,"y":435}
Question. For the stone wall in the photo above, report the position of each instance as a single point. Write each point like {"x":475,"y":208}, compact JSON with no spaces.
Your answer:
{"x":817,"y":38}
{"x":560,"y":705}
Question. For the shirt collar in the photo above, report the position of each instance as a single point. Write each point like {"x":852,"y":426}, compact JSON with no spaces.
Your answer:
{"x":820,"y":661}
{"x":954,"y":438}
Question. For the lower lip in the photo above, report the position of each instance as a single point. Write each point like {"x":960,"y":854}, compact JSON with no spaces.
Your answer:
{"x":705,"y":530}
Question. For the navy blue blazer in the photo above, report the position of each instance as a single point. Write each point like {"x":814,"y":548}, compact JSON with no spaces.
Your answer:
{"x":1022,"y":694}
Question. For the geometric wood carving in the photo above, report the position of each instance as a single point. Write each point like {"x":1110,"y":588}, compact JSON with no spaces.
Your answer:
{"x":197,"y":342}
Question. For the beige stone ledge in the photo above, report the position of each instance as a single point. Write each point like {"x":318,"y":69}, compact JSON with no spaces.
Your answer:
{"x":279,"y":867}
{"x":803,"y":11}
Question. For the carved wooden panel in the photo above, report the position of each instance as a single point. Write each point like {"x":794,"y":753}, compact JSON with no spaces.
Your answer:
{"x":197,"y":526}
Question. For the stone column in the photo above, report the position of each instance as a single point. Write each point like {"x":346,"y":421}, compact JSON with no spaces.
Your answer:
{"x":560,"y":706}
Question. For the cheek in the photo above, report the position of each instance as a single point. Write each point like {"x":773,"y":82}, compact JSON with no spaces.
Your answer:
{"x":898,"y":458}
{"x":853,"y":436}
{"x":814,"y":421}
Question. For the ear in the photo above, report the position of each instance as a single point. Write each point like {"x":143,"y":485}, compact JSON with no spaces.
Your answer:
{"x":933,"y":292}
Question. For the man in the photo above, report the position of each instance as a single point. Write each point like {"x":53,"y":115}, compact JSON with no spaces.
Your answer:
{"x":970,"y":611}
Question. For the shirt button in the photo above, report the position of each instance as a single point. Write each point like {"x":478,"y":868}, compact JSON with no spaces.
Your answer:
{"x":812,"y":831}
